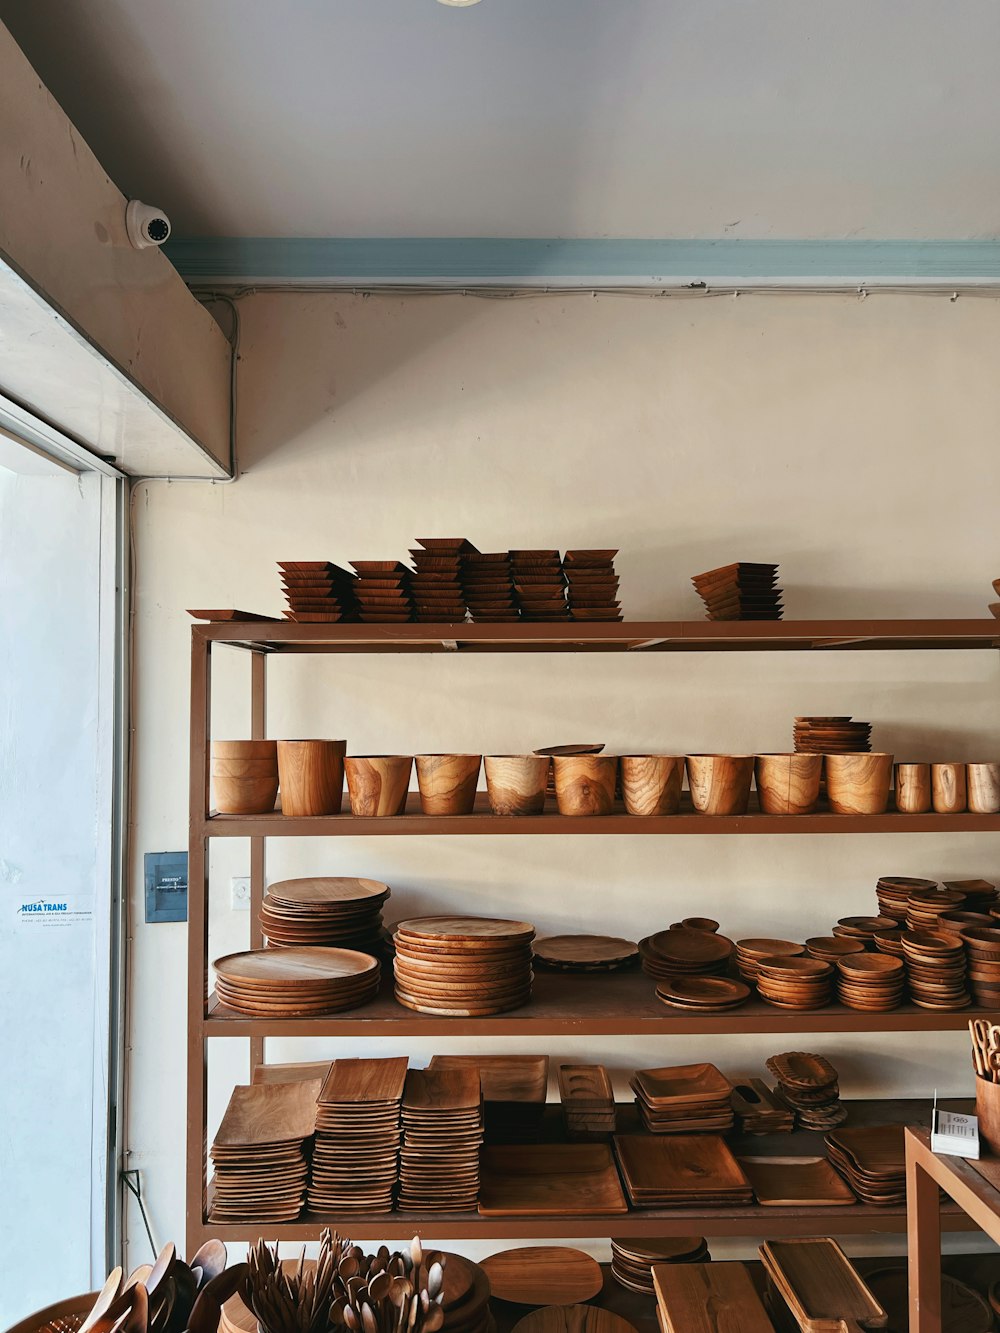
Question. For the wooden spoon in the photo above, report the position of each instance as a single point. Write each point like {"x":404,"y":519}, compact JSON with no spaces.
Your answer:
{"x":211,"y":1259}
{"x":107,"y":1294}
{"x":207,"y":1310}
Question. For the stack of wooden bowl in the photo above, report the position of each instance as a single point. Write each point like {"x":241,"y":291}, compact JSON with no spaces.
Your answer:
{"x":750,"y":952}
{"x":741,"y":591}
{"x":683,"y":1099}
{"x":332,"y":911}
{"x":354,"y":1162}
{"x":867,"y":929}
{"x":831,"y":948}
{"x":924,"y":906}
{"x":795,"y":983}
{"x":488,"y":587}
{"x":436,"y":582}
{"x":893,"y":894}
{"x":318,"y":591}
{"x":890,"y":941}
{"x":442,"y":1135}
{"x":383,"y":591}
{"x":593,"y":585}
{"x":540,"y":585}
{"x":632,"y":1260}
{"x":296,"y":982}
{"x":685,"y":953}
{"x":245,"y":776}
{"x":831,"y":735}
{"x":810,"y":1086}
{"x":982,"y":948}
{"x":935,"y":970}
{"x":871,"y":981}
{"x":463,"y":966}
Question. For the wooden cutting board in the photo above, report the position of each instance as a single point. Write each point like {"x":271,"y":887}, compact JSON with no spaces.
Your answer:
{"x":821,"y":1287}
{"x":573,"y":1319}
{"x":709,"y":1298}
{"x":543,"y":1275}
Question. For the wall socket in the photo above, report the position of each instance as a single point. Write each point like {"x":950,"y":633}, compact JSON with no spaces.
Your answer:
{"x":240,"y":889}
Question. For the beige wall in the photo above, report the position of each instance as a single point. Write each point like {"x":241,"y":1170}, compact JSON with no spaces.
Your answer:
{"x":855,"y":442}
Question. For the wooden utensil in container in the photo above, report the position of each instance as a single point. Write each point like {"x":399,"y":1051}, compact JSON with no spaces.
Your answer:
{"x":913,"y":788}
{"x":858,"y":784}
{"x":378,"y":783}
{"x":948,"y":792}
{"x":788,"y":784}
{"x":651,"y":783}
{"x":311,"y":774}
{"x":447,"y":782}
{"x":720,"y":783}
{"x":516,"y":783}
{"x":245,"y":776}
{"x":982,"y":783}
{"x":585,"y":783}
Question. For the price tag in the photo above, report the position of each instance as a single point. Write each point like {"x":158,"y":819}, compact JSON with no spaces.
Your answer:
{"x":954,"y":1135}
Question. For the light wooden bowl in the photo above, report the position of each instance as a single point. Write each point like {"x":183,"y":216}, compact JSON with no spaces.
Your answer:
{"x":913,"y":788}
{"x":651,"y":783}
{"x":447,"y":782}
{"x":788,"y":784}
{"x":858,"y":784}
{"x":245,"y":750}
{"x":585,"y":783}
{"x":948,"y":790}
{"x":983,"y":788}
{"x":516,"y":783}
{"x":378,"y":783}
{"x":720,"y":783}
{"x":311,"y":774}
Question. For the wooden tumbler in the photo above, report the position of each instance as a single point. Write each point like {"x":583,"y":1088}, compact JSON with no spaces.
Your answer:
{"x":651,"y":783}
{"x":312,"y":777}
{"x":988,"y":1113}
{"x":948,"y":788}
{"x":244,"y":776}
{"x":983,"y":788}
{"x":788,"y":784}
{"x":378,"y":783}
{"x":447,"y":782}
{"x":720,"y":783}
{"x":585,"y":783}
{"x":913,"y":788}
{"x":516,"y":783}
{"x":858,"y":784}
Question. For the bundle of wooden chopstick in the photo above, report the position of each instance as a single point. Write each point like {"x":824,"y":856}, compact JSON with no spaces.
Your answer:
{"x":985,"y":1048}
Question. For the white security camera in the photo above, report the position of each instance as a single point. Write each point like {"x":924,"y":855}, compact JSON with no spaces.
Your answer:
{"x":146,"y":226}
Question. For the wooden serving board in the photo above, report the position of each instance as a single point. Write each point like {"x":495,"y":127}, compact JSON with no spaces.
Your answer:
{"x":709,"y":1298}
{"x":821,"y":1287}
{"x":543,"y":1275}
{"x":365,"y":1080}
{"x":796,"y":1182}
{"x":557,"y":1179}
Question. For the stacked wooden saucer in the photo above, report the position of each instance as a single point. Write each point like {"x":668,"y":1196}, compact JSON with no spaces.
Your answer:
{"x":871,"y":1158}
{"x":871,"y":981}
{"x":632,"y":1260}
{"x":890,"y":941}
{"x":585,"y":953}
{"x":593,"y":585}
{"x":957,"y":923}
{"x":260,"y":1155}
{"x":685,"y":953}
{"x":863,"y":928}
{"x":318,"y":591}
{"x":831,"y":948}
{"x":488,"y":587}
{"x":809,"y":1085}
{"x":296,"y":982}
{"x":831,"y":735}
{"x":750,"y":952}
{"x":742,"y":591}
{"x":355,"y":1158}
{"x":935,"y":970}
{"x":588,"y":1101}
{"x":463,"y":966}
{"x":540,"y":585}
{"x":333,"y":911}
{"x":703,"y":995}
{"x":980,"y":894}
{"x":982,"y":947}
{"x":383,"y":591}
{"x":436,"y":581}
{"x":893,"y":894}
{"x":924,"y":906}
{"x":442,"y":1135}
{"x":683,"y":1099}
{"x":795,"y":983}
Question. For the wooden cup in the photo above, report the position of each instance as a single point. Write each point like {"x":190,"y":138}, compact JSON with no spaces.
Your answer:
{"x":988,"y":1113}
{"x":982,"y":783}
{"x":858,"y":784}
{"x":244,"y":776}
{"x":585,"y":783}
{"x":264,"y":750}
{"x":651,"y":783}
{"x":447,"y":782}
{"x":515,"y":783}
{"x":948,"y":794}
{"x":378,"y":783}
{"x":913,"y":788}
{"x":312,"y":777}
{"x":788,"y":784}
{"x":720,"y":783}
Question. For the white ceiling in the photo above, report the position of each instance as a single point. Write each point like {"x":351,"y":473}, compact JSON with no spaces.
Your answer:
{"x":650,"y":118}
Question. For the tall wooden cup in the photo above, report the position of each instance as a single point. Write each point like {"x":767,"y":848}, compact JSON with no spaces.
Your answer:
{"x":988,"y":1113}
{"x":982,"y":783}
{"x":515,"y":783}
{"x":585,"y":783}
{"x":378,"y":783}
{"x":720,"y":783}
{"x":312,"y":777}
{"x":651,"y":783}
{"x":913,"y":788}
{"x":788,"y":784}
{"x":244,"y":776}
{"x":447,"y":782}
{"x":948,"y":792}
{"x":858,"y":784}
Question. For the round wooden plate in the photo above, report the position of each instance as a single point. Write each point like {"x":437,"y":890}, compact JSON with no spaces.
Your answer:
{"x":543,"y":1275}
{"x":327,"y":890}
{"x":584,"y":951}
{"x":709,"y":992}
{"x":282,"y":966}
{"x":454,"y":929}
{"x":688,"y":946}
{"x":573,"y":1319}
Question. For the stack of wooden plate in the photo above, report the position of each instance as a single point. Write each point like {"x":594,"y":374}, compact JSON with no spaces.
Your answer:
{"x":893,"y":894}
{"x":585,"y":953}
{"x":871,"y":1158}
{"x":980,"y":894}
{"x":540,"y":585}
{"x":810,"y":1086}
{"x":289,"y":983}
{"x":632,"y":1260}
{"x":436,"y":583}
{"x":703,"y":995}
{"x":683,"y":1099}
{"x":588,"y":1101}
{"x":935,"y":970}
{"x":463,"y":966}
{"x":681,"y":1171}
{"x":871,"y":981}
{"x":593,"y":585}
{"x":514,"y":1091}
{"x":750,"y":952}
{"x":742,"y":591}
{"x":831,"y":948}
{"x":355,"y":1165}
{"x":341,"y":912}
{"x":383,"y":591}
{"x":863,"y":928}
{"x":466,"y":1295}
{"x":260,"y":1155}
{"x":795,"y":983}
{"x":890,"y":941}
{"x":442,"y":1135}
{"x":982,"y":948}
{"x":488,"y":587}
{"x":758,"y":1110}
{"x":831,"y":735}
{"x":685,"y":953}
{"x":318,"y":591}
{"x":924,"y":906}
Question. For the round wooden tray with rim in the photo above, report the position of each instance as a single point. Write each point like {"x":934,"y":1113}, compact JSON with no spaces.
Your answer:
{"x":266,"y":968}
{"x":478,"y":931}
{"x":691,"y":948}
{"x":329,"y":892}
{"x":703,"y":992}
{"x":583,"y":952}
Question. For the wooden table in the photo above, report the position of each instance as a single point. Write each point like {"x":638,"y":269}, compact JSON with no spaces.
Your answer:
{"x":974,"y":1186}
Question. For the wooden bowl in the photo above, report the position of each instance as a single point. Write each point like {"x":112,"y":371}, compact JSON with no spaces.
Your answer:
{"x":585,"y":783}
{"x":516,"y":783}
{"x":858,"y":784}
{"x":651,"y":783}
{"x":720,"y":783}
{"x":983,"y":788}
{"x":378,"y":783}
{"x":703,"y":923}
{"x":447,"y":782}
{"x":913,"y":788}
{"x":788,"y":784}
{"x":311,"y":774}
{"x":948,"y":790}
{"x":265,"y":750}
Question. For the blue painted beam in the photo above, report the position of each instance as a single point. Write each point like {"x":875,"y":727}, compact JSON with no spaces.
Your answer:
{"x":454,"y":261}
